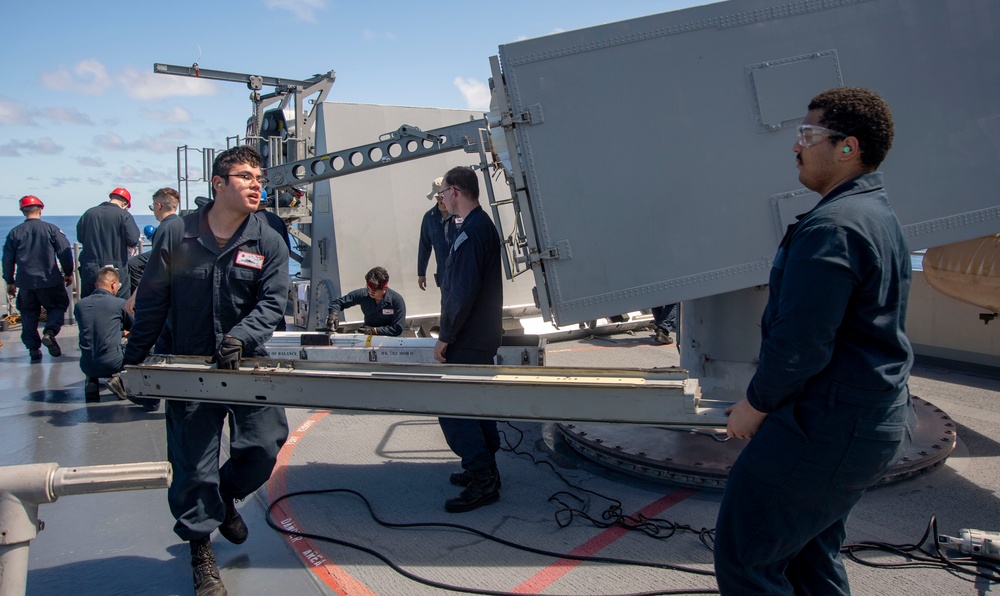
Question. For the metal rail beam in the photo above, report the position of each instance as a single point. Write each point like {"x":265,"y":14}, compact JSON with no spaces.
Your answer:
{"x":404,"y":144}
{"x":632,"y":396}
{"x":252,"y":81}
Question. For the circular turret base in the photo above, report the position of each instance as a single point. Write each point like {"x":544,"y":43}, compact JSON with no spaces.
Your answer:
{"x":702,"y":458}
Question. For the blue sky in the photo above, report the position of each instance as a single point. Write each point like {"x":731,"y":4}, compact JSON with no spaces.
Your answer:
{"x":81,"y":111}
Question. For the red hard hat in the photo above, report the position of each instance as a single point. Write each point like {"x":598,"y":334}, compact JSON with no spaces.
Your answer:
{"x":28,"y":201}
{"x":121,"y":192}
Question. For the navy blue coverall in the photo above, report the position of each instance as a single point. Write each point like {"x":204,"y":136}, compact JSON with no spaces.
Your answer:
{"x":205,"y":293}
{"x":832,"y":376}
{"x":100,"y":319}
{"x":437,"y":232}
{"x":32,"y":255}
{"x":387,"y":317}
{"x":472,"y":326}
{"x":106,"y":232}
{"x":137,"y":264}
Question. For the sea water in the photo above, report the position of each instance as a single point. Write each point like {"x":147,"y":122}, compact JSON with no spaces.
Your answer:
{"x":67,"y":223}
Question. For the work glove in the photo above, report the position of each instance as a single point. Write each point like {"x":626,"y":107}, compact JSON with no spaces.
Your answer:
{"x":332,"y":321}
{"x":366,"y":330}
{"x":227,"y":355}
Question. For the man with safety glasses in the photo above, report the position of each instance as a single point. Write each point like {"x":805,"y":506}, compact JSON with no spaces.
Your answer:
{"x":383,"y":308}
{"x":471,"y":332}
{"x":218,"y":278}
{"x":828,"y":411}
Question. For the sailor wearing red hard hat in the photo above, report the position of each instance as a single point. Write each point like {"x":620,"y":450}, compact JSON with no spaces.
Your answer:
{"x":33,"y":254}
{"x":107,"y":233}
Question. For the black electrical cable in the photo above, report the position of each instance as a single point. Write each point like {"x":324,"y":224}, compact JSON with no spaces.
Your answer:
{"x":613,"y":515}
{"x":917,"y":557}
{"x":657,"y":528}
{"x":416,"y":578}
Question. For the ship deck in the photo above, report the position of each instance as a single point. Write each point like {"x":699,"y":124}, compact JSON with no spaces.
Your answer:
{"x":122,"y":543}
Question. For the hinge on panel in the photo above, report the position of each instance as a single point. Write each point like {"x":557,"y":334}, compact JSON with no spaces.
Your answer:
{"x":560,"y":251}
{"x":532,"y":116}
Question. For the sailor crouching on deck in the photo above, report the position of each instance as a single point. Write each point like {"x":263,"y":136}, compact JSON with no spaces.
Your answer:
{"x":219,"y":278}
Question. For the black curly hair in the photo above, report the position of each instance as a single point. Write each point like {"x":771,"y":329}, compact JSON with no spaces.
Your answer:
{"x":860,"y":113}
{"x":232,"y":157}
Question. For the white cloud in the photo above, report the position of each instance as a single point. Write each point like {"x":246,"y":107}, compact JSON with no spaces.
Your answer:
{"x":57,"y":181}
{"x":304,"y":10}
{"x":174,"y":114}
{"x":43,"y":146}
{"x":71,"y":115}
{"x":110,"y":141}
{"x":476,"y":93}
{"x":369,"y":34}
{"x":88,"y":77}
{"x":14,"y":112}
{"x":131,"y":175}
{"x":165,"y":142}
{"x":151,"y":86}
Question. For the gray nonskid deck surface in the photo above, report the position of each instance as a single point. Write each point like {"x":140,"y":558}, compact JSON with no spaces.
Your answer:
{"x":123,"y":542}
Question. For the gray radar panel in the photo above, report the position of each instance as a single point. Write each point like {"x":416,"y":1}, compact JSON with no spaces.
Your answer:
{"x":654,"y":155}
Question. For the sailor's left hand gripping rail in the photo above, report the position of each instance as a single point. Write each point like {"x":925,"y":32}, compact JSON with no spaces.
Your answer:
{"x":664,"y":396}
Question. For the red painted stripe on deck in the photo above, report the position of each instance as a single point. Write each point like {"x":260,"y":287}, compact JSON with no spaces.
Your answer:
{"x":334,"y":576}
{"x":549,"y":575}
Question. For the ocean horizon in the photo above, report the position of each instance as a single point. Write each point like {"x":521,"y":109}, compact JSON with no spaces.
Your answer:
{"x":67,"y":223}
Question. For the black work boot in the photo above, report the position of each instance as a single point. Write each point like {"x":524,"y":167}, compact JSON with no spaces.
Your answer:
{"x":233,"y":528}
{"x":92,"y":390}
{"x":35,"y":355}
{"x":464,"y":478}
{"x":49,"y":341}
{"x":483,"y":489}
{"x":207,"y":581}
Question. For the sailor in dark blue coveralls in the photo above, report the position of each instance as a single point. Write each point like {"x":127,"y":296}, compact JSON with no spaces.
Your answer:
{"x":219,"y":278}
{"x":471,"y":330}
{"x":437,"y":232}
{"x":828,"y":407}
{"x":32,"y":255}
{"x":383,"y":307}
{"x":107,"y":232}
{"x":101,"y":318}
{"x":164,"y":207}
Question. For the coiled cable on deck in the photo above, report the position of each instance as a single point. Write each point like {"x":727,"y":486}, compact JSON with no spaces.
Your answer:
{"x":422,"y":580}
{"x":613,"y":516}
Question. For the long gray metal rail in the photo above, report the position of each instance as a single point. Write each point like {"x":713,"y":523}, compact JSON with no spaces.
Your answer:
{"x":633,"y":396}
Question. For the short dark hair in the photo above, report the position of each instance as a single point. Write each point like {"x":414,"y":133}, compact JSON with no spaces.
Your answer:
{"x":230,"y":158}
{"x":31,"y":209}
{"x":378,"y":276}
{"x":107,"y":274}
{"x":464,"y":179}
{"x":861,"y":113}
{"x":167,"y":196}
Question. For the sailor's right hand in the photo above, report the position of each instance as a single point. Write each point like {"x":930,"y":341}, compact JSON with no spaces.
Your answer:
{"x":68,"y":279}
{"x":332,"y":321}
{"x":12,"y":289}
{"x":422,"y":282}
